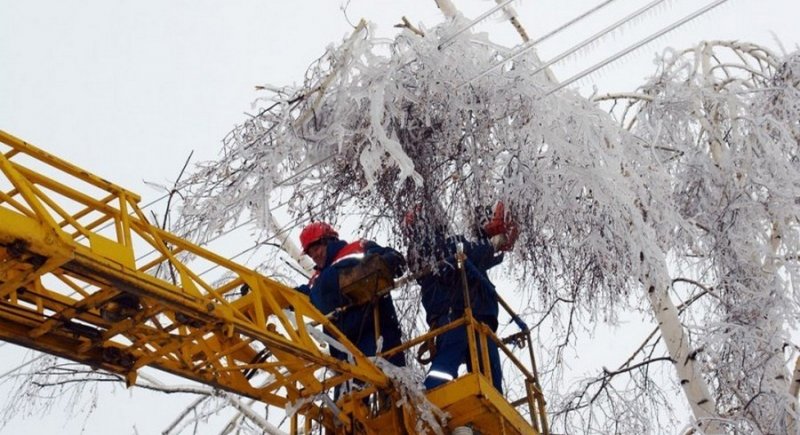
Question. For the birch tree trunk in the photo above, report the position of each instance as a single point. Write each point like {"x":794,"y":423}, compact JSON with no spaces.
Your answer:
{"x":683,"y":356}
{"x":794,"y":388}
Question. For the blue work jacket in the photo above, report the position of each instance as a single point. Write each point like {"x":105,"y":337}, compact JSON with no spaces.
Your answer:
{"x":357,"y":323}
{"x":443,"y":292}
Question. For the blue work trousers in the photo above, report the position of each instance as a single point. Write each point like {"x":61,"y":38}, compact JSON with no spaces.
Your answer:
{"x":452,"y":350}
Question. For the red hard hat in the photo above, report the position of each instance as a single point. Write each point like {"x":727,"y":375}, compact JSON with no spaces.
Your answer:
{"x":314,"y":232}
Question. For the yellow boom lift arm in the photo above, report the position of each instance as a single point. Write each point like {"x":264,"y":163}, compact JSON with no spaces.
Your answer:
{"x":75,"y":282}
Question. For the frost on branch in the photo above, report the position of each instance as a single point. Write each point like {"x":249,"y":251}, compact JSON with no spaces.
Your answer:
{"x":728,"y":114}
{"x":701,"y":188}
{"x":382,"y":126}
{"x":412,"y":394}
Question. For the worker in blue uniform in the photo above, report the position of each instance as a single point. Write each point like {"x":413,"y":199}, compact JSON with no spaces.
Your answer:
{"x":443,"y":292}
{"x":331,"y":256}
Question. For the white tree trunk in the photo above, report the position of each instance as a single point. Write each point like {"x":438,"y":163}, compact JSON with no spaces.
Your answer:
{"x":683,"y":356}
{"x":447,"y":7}
{"x":794,"y":387}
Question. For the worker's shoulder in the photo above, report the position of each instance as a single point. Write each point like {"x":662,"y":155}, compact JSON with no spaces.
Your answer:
{"x":328,"y":276}
{"x":370,"y":245}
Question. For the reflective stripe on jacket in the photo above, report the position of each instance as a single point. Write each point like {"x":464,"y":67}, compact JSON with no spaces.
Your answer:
{"x":357,"y":322}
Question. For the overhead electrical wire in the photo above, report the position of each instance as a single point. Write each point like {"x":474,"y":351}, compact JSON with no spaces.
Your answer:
{"x":569,"y":23}
{"x":636,"y":46}
{"x":448,"y":42}
{"x":571,"y":50}
{"x":473,"y":23}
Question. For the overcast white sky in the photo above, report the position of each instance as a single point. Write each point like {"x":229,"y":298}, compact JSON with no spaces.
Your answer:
{"x":127,"y":89}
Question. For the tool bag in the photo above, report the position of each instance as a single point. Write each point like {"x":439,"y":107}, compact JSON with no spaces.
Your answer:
{"x":366,"y":280}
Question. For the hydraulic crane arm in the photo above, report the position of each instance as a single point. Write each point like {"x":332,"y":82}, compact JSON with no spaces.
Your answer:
{"x":85,"y":276}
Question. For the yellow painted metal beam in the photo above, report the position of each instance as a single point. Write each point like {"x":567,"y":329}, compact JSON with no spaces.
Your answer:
{"x":70,"y":288}
{"x":471,"y":399}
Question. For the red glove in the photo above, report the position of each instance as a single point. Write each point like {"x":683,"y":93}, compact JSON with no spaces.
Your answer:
{"x":497,"y":224}
{"x":502,"y":225}
{"x":511,"y":234}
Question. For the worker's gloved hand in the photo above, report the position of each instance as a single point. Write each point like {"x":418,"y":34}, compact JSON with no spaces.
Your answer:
{"x":497,"y":223}
{"x":501,"y":228}
{"x":511,"y":236}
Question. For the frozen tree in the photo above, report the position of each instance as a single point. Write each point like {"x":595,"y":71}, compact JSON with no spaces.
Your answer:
{"x":699,"y":188}
{"x":687,"y":190}
{"x":727,"y":112}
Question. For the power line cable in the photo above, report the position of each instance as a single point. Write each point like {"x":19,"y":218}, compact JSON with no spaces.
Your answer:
{"x":448,"y":42}
{"x":636,"y":46}
{"x":569,"y":23}
{"x":570,"y":51}
{"x":471,"y":24}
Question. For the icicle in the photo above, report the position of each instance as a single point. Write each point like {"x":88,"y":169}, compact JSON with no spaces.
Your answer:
{"x":332,"y":342}
{"x":392,"y":147}
{"x":412,"y":394}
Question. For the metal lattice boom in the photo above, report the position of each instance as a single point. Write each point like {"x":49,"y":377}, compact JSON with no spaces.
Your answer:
{"x":85,"y":276}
